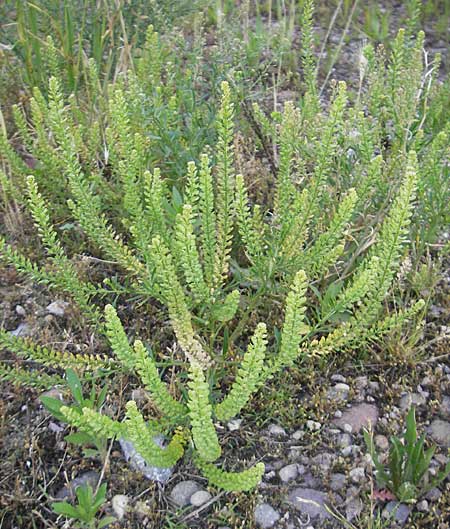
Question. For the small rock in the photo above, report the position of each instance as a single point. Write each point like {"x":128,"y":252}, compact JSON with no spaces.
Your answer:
{"x":288,"y":473}
{"x":357,"y":475}
{"x":353,"y":508}
{"x":55,"y":428}
{"x":440,"y":432}
{"x":183,"y":491}
{"x":445,"y":405}
{"x":310,"y":502}
{"x":338,"y":414}
{"x":137,"y":462}
{"x":20,"y":310}
{"x":399,"y":512}
{"x":433,"y":494}
{"x":351,"y":450}
{"x":411,"y":399}
{"x":297,"y":435}
{"x":200,"y":498}
{"x":22,"y":330}
{"x":88,"y":478}
{"x":266,"y":516}
{"x":358,"y":416}
{"x":57,"y":308}
{"x":337,"y":482}
{"x":348,"y":428}
{"x":339,"y":391}
{"x":276,"y":431}
{"x":382,"y":442}
{"x":234,"y":424}
{"x":338,"y":378}
{"x":345,"y":440}
{"x":139,"y":396}
{"x":119,"y":505}
{"x":423,"y":506}
{"x":361,"y":383}
{"x":313,"y":426}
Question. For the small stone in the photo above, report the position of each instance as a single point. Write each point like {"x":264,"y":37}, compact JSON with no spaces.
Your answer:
{"x":357,"y":475}
{"x":445,"y":405}
{"x":288,"y":473}
{"x":433,"y":494}
{"x":297,"y":435}
{"x":57,"y":308}
{"x":353,"y":508}
{"x":276,"y":431}
{"x":337,"y":482}
{"x":119,"y":505}
{"x":361,"y":383}
{"x":351,"y":450}
{"x":411,"y":399}
{"x":345,"y":440}
{"x":339,"y":391}
{"x":137,"y":462}
{"x":22,"y":330}
{"x":200,"y":498}
{"x":234,"y":424}
{"x":88,"y":478}
{"x":20,"y":310}
{"x":382,"y":442}
{"x":313,"y":426}
{"x":310,"y":502}
{"x":358,"y":416}
{"x":369,"y":398}
{"x":139,"y":396}
{"x":55,"y":428}
{"x":338,"y":378}
{"x":399,"y":512}
{"x":183,"y":491}
{"x":348,"y":428}
{"x":440,"y":432}
{"x":266,"y":516}
{"x":423,"y":506}
{"x":338,"y":414}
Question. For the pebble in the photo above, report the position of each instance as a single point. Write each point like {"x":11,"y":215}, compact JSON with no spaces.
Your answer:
{"x":200,"y":498}
{"x":445,"y":406}
{"x":297,"y":435}
{"x":137,"y":462}
{"x":358,"y":416}
{"x":88,"y":478}
{"x":398,"y":511}
{"x":339,"y":391}
{"x":22,"y":330}
{"x":412,"y":399}
{"x":338,"y":378}
{"x":345,"y":440}
{"x":440,"y":432}
{"x":337,"y":482}
{"x":433,"y":494}
{"x":234,"y":424}
{"x":382,"y":442}
{"x":348,"y":428}
{"x":20,"y":310}
{"x":120,"y":505}
{"x":276,"y":431}
{"x":57,"y":308}
{"x":338,"y":414}
{"x":183,"y":491}
{"x":310,"y":502}
{"x":353,"y":508}
{"x":313,"y":426}
{"x":266,"y":516}
{"x":361,"y":383}
{"x":423,"y":506}
{"x":288,"y":473}
{"x":357,"y":475}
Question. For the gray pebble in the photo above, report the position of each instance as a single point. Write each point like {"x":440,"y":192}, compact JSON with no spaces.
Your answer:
{"x":266,"y":516}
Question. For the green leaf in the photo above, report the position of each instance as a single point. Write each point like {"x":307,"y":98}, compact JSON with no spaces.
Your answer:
{"x":106,"y":520}
{"x":75,"y":386}
{"x":66,"y":509}
{"x":79,"y":438}
{"x":53,"y":406}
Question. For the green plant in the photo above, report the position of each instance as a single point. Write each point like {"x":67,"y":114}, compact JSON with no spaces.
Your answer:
{"x":84,"y":513}
{"x":406,"y":475}
{"x":93,"y":402}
